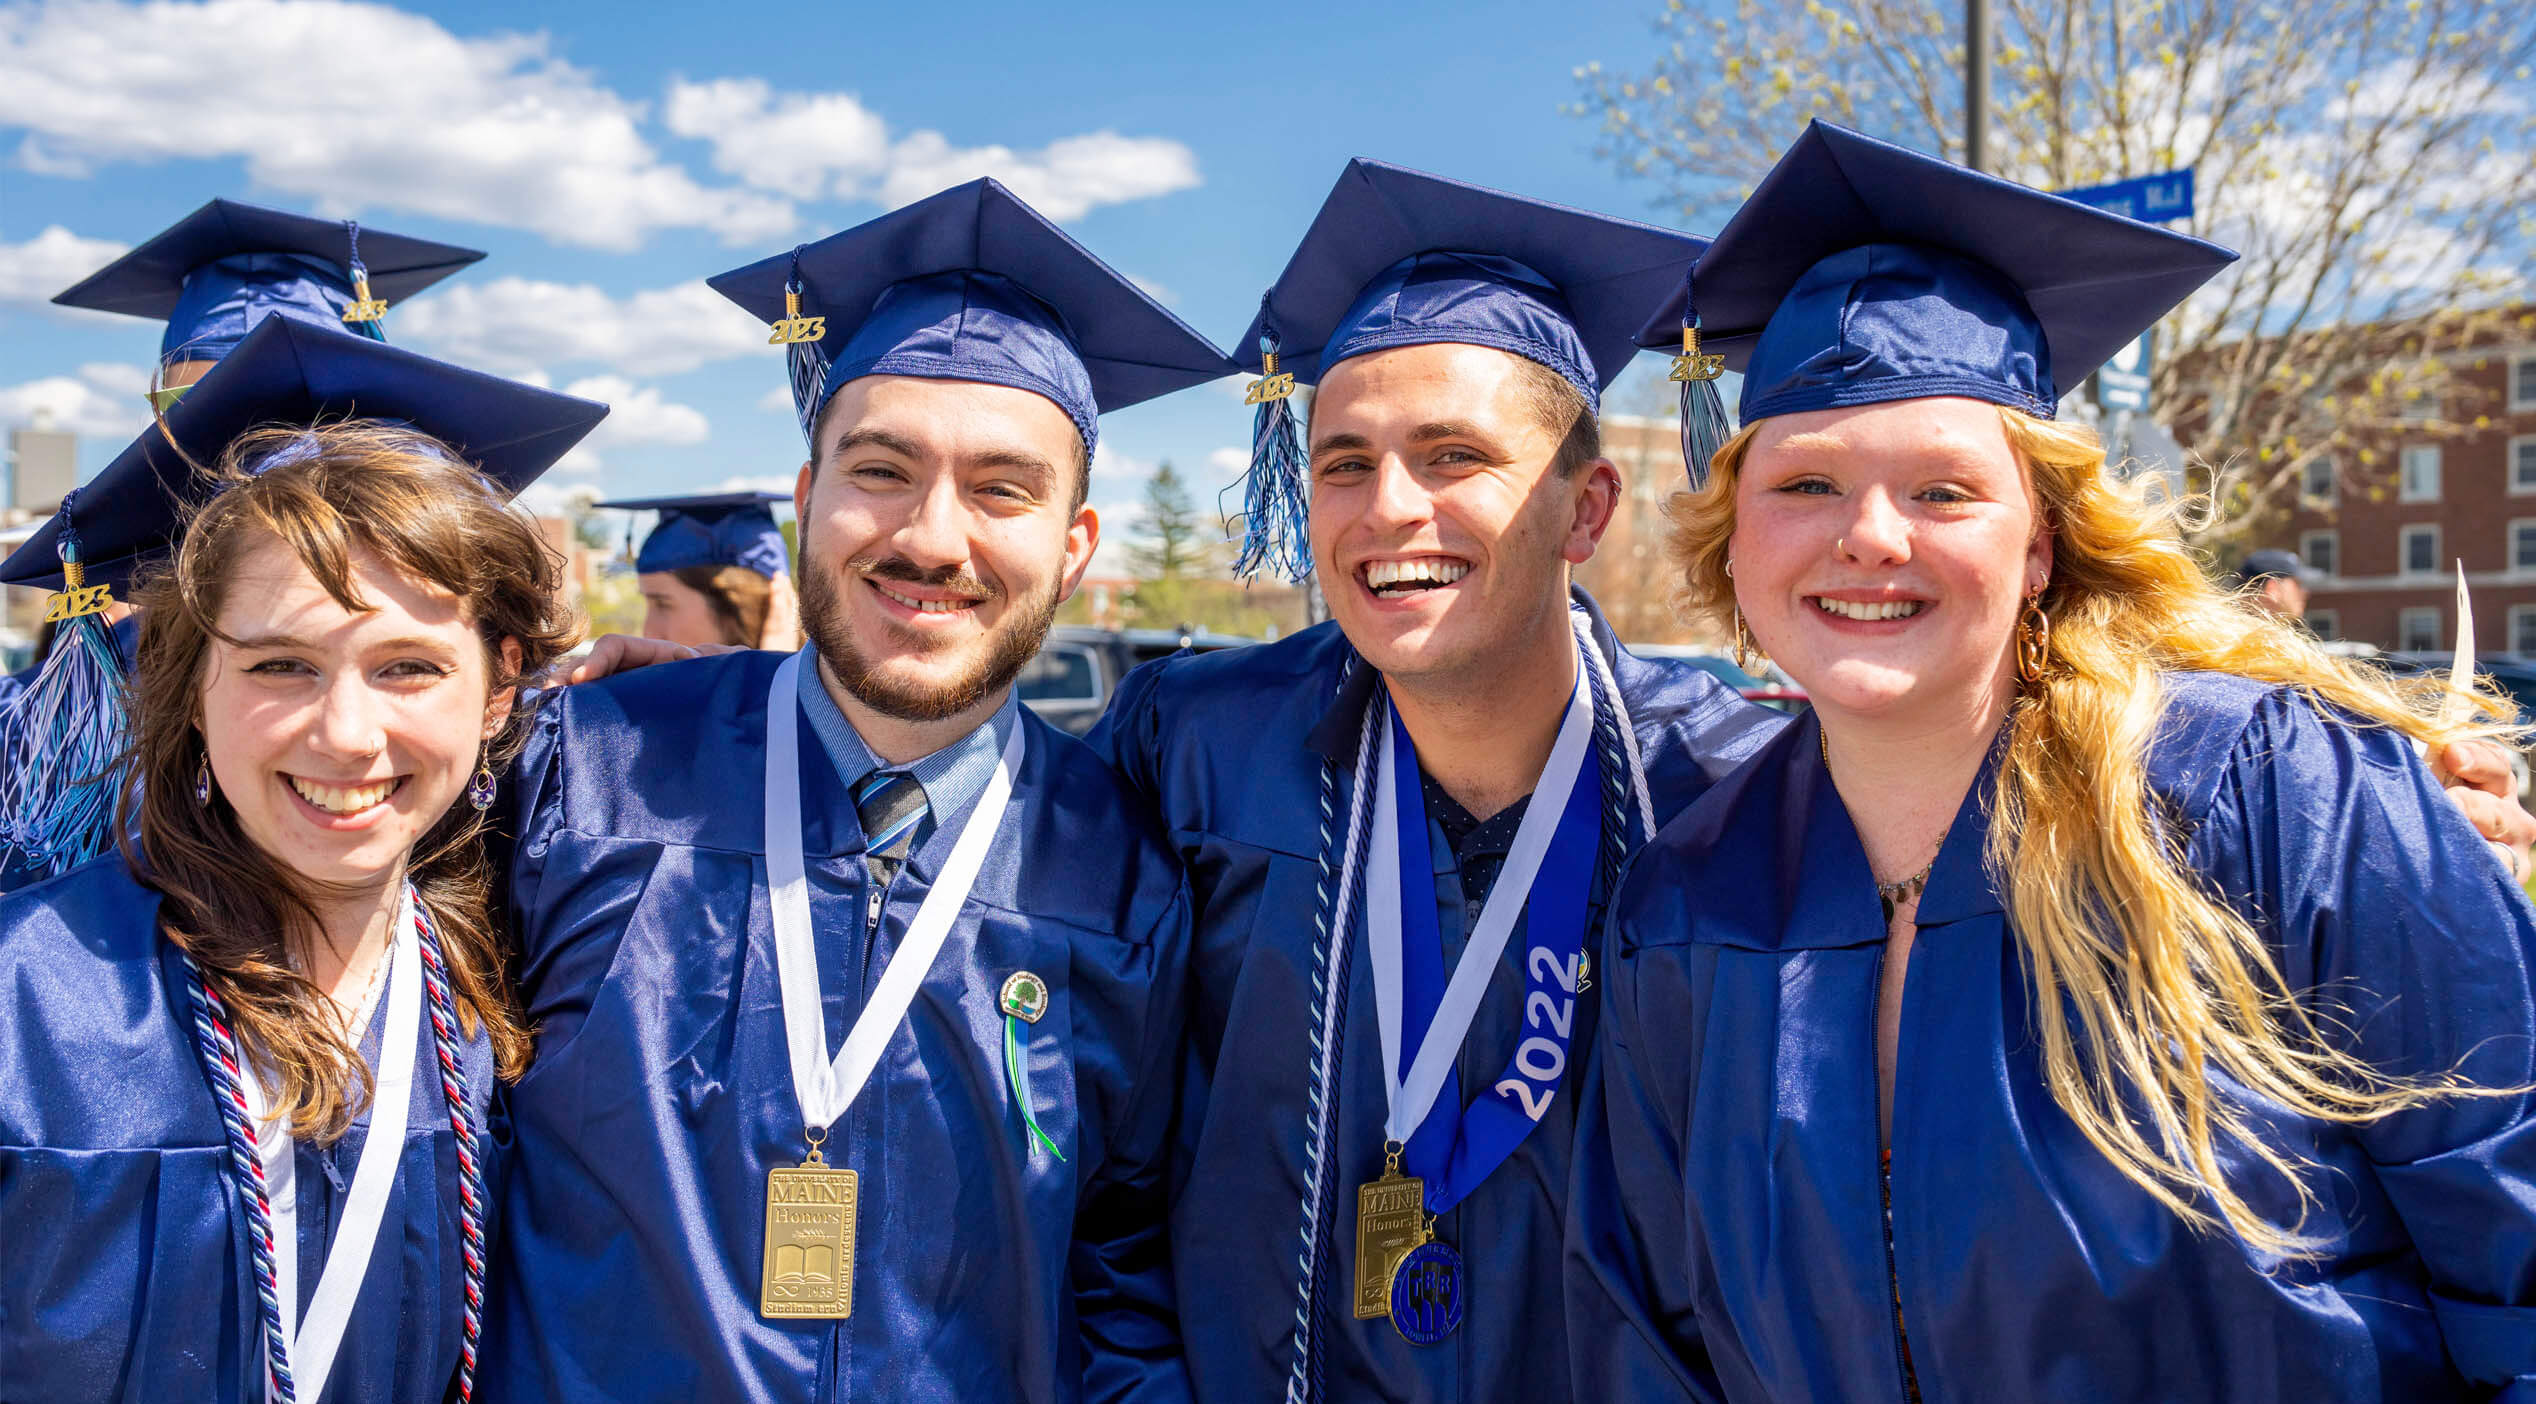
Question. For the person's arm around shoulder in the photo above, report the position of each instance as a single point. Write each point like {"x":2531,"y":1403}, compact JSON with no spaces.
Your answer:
{"x":2389,"y":910}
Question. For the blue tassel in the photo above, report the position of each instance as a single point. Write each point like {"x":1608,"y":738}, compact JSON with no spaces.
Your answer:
{"x":1276,"y":525}
{"x":66,"y":736}
{"x":1705,"y":428}
{"x":803,"y":338}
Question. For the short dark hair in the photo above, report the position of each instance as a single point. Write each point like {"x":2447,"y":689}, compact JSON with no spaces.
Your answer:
{"x":1561,"y":409}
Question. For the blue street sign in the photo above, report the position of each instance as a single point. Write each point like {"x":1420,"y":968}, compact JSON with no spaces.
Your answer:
{"x":2154,"y":199}
{"x":2123,"y":382}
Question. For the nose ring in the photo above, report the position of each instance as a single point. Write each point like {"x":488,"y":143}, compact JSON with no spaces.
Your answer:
{"x":1841,"y":545}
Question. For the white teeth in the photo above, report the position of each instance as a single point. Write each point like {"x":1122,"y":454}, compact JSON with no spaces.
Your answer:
{"x":927,"y":606}
{"x":344,"y":799}
{"x":1890,"y":609}
{"x":1431,"y":570}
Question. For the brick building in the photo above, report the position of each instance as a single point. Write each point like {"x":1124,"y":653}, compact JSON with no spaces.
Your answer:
{"x":2386,"y":538}
{"x":1629,"y":575}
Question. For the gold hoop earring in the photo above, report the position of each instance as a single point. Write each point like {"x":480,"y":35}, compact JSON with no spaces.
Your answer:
{"x":1748,"y":654}
{"x":2034,"y":642}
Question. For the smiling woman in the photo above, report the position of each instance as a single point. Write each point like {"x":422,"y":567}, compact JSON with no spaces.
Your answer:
{"x":326,"y":684}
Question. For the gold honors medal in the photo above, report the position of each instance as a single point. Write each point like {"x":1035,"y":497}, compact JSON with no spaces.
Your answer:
{"x":809,"y":1239}
{"x":1390,"y":1221}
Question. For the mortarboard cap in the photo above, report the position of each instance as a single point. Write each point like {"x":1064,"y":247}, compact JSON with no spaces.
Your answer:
{"x":1860,"y":272}
{"x":65,"y":730}
{"x":286,"y":372}
{"x":216,"y":273}
{"x":970,"y":284}
{"x":2260,"y":566}
{"x":1400,"y":258}
{"x":710,"y":529}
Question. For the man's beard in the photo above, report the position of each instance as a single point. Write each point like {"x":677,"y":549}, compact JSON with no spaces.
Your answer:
{"x":1007,"y":650}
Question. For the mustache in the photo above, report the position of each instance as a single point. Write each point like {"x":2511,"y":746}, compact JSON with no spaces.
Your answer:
{"x":901,"y":569}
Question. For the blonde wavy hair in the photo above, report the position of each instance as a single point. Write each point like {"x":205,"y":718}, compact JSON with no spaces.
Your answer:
{"x":2163,"y":983}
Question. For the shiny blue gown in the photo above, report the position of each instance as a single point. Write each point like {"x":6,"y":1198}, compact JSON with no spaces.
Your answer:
{"x":127,"y":1270}
{"x":1229,"y":747}
{"x":985,"y":1269}
{"x":1728,"y":1239}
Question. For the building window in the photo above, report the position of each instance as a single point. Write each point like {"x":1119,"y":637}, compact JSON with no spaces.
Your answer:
{"x":2418,"y":552}
{"x":2420,"y":404}
{"x":2523,"y":544}
{"x":2322,"y":551}
{"x":2523,"y":464}
{"x":2326,"y":624}
{"x":2417,"y":631}
{"x":2317,"y":481}
{"x":2523,"y":382}
{"x":2421,"y":473}
{"x":2523,"y":629}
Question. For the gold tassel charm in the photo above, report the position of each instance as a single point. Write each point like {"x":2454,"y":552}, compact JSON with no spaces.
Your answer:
{"x":76,"y":598}
{"x":1691,"y":365}
{"x":796,"y":329}
{"x":364,"y":308}
{"x":1270,"y":385}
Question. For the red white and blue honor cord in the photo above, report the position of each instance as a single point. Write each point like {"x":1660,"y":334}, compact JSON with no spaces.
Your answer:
{"x":218,"y":1044}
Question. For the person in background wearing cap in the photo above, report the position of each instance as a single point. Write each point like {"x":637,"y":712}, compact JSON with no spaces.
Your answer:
{"x":1455,"y":767}
{"x":213,"y":277}
{"x":714,"y":571}
{"x":246,"y":1060}
{"x":727,"y":865}
{"x":2092,"y":997}
{"x":2277,"y":581}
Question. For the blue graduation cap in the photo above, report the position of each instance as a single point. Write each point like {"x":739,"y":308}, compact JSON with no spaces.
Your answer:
{"x":1397,"y":257}
{"x":970,"y":284}
{"x":1860,"y":272}
{"x":216,"y":273}
{"x":710,"y":529}
{"x":65,"y":730}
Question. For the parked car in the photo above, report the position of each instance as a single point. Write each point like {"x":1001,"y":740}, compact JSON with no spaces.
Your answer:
{"x":1070,"y":680}
{"x":2516,"y":675}
{"x":1772,"y":689}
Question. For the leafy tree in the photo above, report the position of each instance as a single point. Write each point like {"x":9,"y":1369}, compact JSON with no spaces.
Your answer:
{"x":2371,"y":159}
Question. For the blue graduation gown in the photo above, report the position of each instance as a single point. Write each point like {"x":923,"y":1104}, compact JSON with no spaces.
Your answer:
{"x":1727,"y":1208}
{"x":128,"y":1273}
{"x":1229,"y":747}
{"x":661,"y":1093}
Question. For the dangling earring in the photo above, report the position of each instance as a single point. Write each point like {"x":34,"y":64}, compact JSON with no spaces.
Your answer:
{"x":480,"y":791}
{"x":1748,"y":654}
{"x":2034,"y":642}
{"x":202,"y":779}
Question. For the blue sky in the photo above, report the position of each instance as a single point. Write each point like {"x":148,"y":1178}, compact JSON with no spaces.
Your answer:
{"x":609,"y":156}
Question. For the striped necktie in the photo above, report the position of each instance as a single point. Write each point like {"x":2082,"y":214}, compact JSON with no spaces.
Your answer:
{"x":892,"y":807}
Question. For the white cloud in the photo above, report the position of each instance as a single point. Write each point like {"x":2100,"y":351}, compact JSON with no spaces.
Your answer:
{"x":777,"y":400}
{"x":1229,"y":464}
{"x":637,"y":414}
{"x":1118,"y":527}
{"x":1111,"y":466}
{"x":1062,"y":180}
{"x":755,"y":482}
{"x":805,"y":145}
{"x":1154,"y":290}
{"x":105,"y":400}
{"x":517,"y":325}
{"x":51,"y":261}
{"x":368,"y":107}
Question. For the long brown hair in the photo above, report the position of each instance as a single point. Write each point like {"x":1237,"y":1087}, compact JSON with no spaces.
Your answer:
{"x":343,"y":490}
{"x":738,"y":597}
{"x":2162,"y":982}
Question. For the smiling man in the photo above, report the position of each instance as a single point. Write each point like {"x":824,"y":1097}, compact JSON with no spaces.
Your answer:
{"x":727,"y":867}
{"x":1375,"y":1128}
